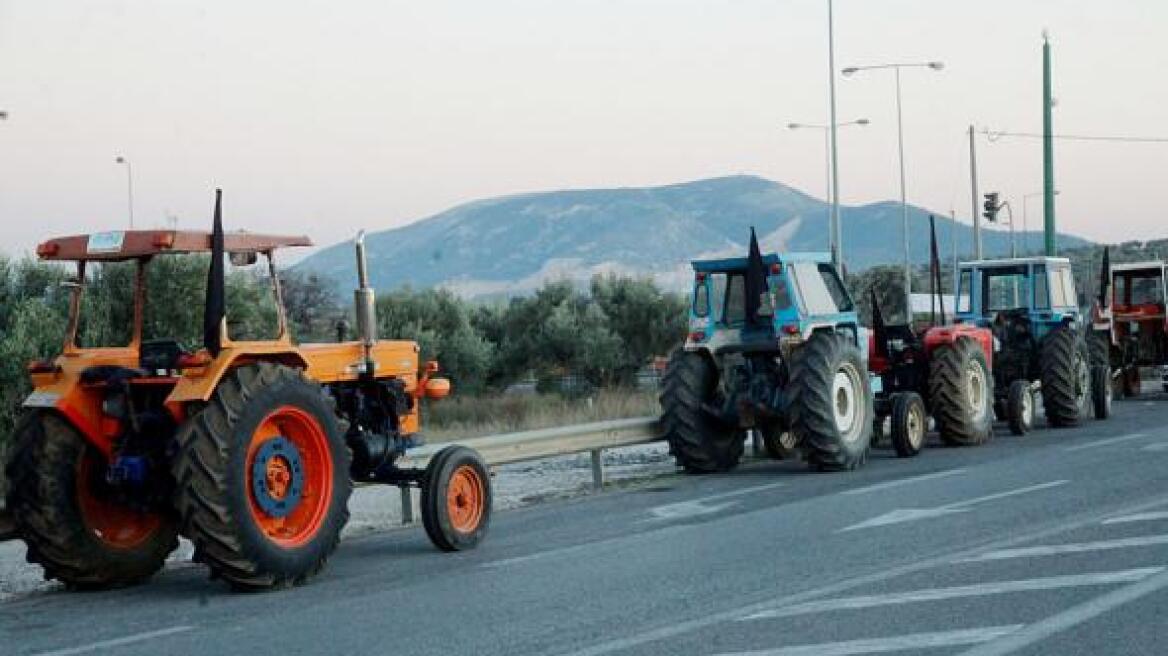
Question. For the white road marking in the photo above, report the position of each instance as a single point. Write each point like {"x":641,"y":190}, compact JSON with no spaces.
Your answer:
{"x":908,"y":566}
{"x":1070,"y":618}
{"x":902,"y":481}
{"x":1158,"y":446}
{"x":896,"y":643}
{"x":609,"y":543}
{"x":1138,"y":517}
{"x":1071,"y":548}
{"x":702,"y":505}
{"x":1105,"y":442}
{"x":902,"y":515}
{"x":958,"y":592}
{"x":118,"y":642}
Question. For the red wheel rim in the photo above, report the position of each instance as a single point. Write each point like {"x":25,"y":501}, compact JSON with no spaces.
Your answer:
{"x":308,"y":437}
{"x":113,"y":524}
{"x":465,"y":499}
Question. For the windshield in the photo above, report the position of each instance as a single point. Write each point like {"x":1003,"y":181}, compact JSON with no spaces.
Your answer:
{"x":1005,"y":288}
{"x":1139,"y":288}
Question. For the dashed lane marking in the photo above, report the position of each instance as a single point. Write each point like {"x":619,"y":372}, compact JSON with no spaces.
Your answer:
{"x":118,"y":642}
{"x":1070,"y":548}
{"x":958,"y":592}
{"x":935,"y":640}
{"x":703,"y":505}
{"x":1138,"y":517}
{"x":902,"y":481}
{"x":1105,"y":442}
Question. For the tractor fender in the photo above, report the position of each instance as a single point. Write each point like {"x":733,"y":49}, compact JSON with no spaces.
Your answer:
{"x":198,"y":385}
{"x":938,"y":336}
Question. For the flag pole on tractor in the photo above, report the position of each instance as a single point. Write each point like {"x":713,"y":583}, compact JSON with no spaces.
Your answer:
{"x":215,"y":310}
{"x":756,"y":284}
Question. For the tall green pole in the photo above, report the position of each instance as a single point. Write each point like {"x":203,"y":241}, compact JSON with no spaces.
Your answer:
{"x":1047,"y":151}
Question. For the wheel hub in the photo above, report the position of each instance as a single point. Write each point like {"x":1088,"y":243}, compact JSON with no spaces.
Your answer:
{"x":277,"y":477}
{"x":975,"y":391}
{"x":845,"y":401}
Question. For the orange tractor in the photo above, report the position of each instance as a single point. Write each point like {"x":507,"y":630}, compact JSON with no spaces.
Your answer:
{"x":247,"y":448}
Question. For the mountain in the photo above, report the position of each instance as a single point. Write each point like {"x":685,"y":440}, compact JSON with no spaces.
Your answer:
{"x":513,"y":244}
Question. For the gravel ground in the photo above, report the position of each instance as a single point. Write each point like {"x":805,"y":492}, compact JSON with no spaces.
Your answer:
{"x":378,"y":508}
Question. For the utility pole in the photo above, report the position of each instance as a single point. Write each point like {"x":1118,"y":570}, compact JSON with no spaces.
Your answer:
{"x":1047,"y":150}
{"x":973,"y":185}
{"x":835,"y":230}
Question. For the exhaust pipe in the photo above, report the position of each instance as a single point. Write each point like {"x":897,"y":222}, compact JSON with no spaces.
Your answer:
{"x":363,"y":300}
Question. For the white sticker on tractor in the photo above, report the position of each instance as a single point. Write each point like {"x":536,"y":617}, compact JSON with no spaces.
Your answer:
{"x":42,"y":400}
{"x":105,"y":242}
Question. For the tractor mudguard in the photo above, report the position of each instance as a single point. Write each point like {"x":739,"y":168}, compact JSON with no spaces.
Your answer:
{"x":944,"y":335}
{"x":200,"y":384}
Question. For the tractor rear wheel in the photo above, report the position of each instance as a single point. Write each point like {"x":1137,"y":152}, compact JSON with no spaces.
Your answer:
{"x":1066,"y":378}
{"x":698,"y":442}
{"x":961,"y":393}
{"x":1020,"y":401}
{"x":456,"y":499}
{"x":910,"y":424}
{"x":831,"y":402}
{"x":1101,"y":390}
{"x":71,"y":520}
{"x":263,"y":479}
{"x":1099,"y":345}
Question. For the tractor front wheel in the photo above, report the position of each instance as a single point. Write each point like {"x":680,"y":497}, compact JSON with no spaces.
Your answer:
{"x":456,"y":499}
{"x":698,"y":441}
{"x":1020,"y":402}
{"x":1066,"y":378}
{"x":263,"y":479}
{"x":831,"y":403}
{"x":72,"y":521}
{"x":1101,"y":390}
{"x":910,"y":424}
{"x":961,"y":393}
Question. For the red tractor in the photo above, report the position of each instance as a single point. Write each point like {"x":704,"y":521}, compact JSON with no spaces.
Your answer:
{"x":942,"y":371}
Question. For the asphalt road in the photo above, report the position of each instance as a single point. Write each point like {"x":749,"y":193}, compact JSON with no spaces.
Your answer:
{"x":1054,"y":543}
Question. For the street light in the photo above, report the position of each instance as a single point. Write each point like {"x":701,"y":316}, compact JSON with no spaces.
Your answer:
{"x":129,"y":185}
{"x":933,"y":65}
{"x":827,"y":160}
{"x":1026,"y":235}
{"x":833,"y":182}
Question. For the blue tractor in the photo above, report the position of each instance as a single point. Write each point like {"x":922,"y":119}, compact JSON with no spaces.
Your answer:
{"x":1032,"y":308}
{"x":774,"y":345}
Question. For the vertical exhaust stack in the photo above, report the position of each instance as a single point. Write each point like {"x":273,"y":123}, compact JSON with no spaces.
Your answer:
{"x":363,"y":300}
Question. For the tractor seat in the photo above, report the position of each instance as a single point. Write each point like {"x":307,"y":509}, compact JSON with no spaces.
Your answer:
{"x":160,"y":354}
{"x":109,"y":374}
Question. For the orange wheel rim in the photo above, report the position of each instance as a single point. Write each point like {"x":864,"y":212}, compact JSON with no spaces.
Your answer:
{"x":113,"y":524}
{"x":465,"y":499}
{"x":300,"y":480}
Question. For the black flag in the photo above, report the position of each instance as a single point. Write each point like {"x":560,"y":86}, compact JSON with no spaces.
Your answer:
{"x":1105,"y":276}
{"x":215,"y":309}
{"x":878,"y":327}
{"x":936,"y":290}
{"x":756,"y":284}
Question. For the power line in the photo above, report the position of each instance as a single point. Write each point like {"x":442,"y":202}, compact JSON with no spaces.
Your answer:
{"x":994,"y":135}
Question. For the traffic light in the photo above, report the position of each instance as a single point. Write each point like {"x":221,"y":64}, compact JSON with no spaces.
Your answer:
{"x":991,"y":207}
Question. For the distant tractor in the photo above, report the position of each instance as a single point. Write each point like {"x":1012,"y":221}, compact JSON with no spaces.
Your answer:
{"x":1031,"y":306}
{"x":1130,"y":326}
{"x":773,"y":346}
{"x":940,"y":371}
{"x":247,"y":448}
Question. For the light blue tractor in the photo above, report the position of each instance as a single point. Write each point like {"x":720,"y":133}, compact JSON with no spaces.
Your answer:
{"x":774,"y":345}
{"x":1033,"y":309}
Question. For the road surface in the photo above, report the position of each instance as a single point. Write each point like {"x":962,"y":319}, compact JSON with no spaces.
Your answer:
{"x":1054,"y":543}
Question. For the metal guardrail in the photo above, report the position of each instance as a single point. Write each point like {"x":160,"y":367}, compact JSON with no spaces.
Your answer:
{"x":515,"y":447}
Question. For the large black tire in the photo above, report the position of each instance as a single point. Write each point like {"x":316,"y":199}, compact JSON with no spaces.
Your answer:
{"x":910,"y":424}
{"x":698,"y":442}
{"x":1101,"y":390}
{"x":456,"y":499}
{"x":1130,"y":381}
{"x":1020,"y":402}
{"x":220,"y":512}
{"x":1099,"y":346}
{"x":779,"y":444}
{"x":961,"y":393}
{"x":59,"y":504}
{"x":1065,"y":376}
{"x":831,"y":403}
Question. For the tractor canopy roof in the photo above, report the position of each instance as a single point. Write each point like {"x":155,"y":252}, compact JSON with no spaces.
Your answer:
{"x":732,"y":264}
{"x":1149,"y":265}
{"x":131,"y":244}
{"x":1014,"y":261}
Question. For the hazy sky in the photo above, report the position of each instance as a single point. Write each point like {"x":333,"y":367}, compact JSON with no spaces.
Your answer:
{"x":327,"y":117}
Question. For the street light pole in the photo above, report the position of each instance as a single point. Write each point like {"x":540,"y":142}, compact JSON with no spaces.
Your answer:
{"x":837,"y":232}
{"x":1025,"y":200}
{"x":827,"y":154}
{"x":936,"y":66}
{"x":129,"y":186}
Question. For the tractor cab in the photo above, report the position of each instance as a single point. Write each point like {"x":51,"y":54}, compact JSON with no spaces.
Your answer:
{"x":801,"y":292}
{"x":1130,"y":325}
{"x":1040,"y":290}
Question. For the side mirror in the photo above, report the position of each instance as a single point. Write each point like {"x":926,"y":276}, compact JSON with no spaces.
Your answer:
{"x":242,"y":259}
